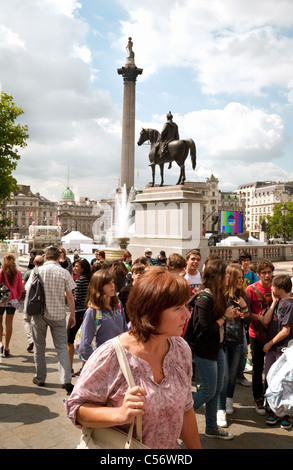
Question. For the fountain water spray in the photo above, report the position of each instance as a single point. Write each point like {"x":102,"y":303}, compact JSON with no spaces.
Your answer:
{"x":123,"y":209}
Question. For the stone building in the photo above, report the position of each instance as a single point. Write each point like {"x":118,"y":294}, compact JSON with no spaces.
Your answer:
{"x":215,"y":202}
{"x":76,"y":215}
{"x":259,"y":199}
{"x":26,"y":208}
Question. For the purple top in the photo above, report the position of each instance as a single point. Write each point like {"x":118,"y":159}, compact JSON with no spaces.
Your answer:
{"x":102,"y":382}
{"x":111,"y":325}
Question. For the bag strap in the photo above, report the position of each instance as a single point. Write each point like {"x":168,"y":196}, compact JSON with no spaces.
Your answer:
{"x":98,"y":319}
{"x":261,"y":298}
{"x":123,"y":362}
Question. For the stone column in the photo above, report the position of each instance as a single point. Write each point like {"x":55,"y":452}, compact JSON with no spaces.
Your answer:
{"x":129,"y":73}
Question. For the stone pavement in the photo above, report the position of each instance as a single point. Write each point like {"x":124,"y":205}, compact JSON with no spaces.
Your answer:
{"x":33,"y":418}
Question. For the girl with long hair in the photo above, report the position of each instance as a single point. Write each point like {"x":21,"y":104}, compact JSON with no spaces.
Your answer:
{"x":11,"y":277}
{"x":104,"y":317}
{"x":210,"y":315}
{"x":233,"y":340}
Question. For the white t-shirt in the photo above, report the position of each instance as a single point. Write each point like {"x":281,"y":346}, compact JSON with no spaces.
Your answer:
{"x":194,"y":281}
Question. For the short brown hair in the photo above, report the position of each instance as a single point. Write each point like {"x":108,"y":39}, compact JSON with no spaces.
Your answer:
{"x":193,"y":252}
{"x":264,"y":263}
{"x":283,"y":281}
{"x":154,"y":292}
{"x":176,"y":261}
{"x":138,"y":268}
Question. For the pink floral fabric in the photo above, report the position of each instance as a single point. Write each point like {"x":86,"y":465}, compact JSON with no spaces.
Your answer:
{"x":102,"y":382}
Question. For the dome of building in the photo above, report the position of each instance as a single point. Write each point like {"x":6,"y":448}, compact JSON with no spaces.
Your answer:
{"x":67,"y":194}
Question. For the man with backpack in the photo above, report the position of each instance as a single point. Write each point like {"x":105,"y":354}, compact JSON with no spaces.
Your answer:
{"x":37,"y":262}
{"x":58,"y":286}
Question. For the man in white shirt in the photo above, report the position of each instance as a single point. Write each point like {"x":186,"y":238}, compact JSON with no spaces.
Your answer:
{"x":193,"y":275}
{"x":57,"y":283}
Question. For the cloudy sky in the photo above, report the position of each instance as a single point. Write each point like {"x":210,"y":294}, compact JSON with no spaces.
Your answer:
{"x":223,"y":67}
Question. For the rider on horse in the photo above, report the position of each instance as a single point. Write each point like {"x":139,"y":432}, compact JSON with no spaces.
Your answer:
{"x":169,"y":133}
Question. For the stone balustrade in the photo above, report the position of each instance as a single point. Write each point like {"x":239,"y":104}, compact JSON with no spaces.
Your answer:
{"x":272,"y":252}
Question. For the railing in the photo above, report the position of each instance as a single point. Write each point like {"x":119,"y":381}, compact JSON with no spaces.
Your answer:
{"x":257,"y":252}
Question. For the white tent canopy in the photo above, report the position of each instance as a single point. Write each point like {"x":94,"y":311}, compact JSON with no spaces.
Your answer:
{"x":232,"y":241}
{"x":74,"y":240}
{"x":254,"y":241}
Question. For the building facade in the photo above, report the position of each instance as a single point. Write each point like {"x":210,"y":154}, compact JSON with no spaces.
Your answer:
{"x":215,"y":201}
{"x":26,"y":208}
{"x":259,"y":199}
{"x":76,"y":215}
{"x":94,"y":218}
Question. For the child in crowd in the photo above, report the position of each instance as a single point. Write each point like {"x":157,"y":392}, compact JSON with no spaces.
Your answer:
{"x":250,"y":276}
{"x":279,"y":319}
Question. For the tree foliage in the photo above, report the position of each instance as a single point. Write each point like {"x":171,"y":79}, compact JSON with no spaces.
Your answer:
{"x":12,"y":136}
{"x":275,"y":223}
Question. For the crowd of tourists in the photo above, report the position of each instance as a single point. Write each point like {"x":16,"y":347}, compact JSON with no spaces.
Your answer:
{"x":189,"y":336}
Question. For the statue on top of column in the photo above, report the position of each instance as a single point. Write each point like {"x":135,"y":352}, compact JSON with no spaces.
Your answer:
{"x":130,"y":47}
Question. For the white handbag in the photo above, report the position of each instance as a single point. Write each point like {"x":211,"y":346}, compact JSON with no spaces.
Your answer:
{"x":112,"y":437}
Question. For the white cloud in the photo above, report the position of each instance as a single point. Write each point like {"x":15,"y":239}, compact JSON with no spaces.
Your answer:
{"x":53,"y":71}
{"x":236,"y":128}
{"x":9,"y":39}
{"x":233,"y":47}
{"x":67,"y":7}
{"x":83,"y":53}
{"x":51,"y":81}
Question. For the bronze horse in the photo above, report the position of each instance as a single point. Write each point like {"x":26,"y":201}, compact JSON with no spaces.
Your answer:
{"x":177,"y":152}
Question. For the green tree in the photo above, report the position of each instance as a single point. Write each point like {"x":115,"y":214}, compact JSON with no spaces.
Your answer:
{"x":275,"y":223}
{"x":11,"y":136}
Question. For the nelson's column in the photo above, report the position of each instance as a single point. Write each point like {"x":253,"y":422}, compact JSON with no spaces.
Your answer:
{"x":129,"y":73}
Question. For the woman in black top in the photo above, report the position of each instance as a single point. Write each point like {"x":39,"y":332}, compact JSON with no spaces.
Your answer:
{"x":64,"y":261}
{"x":233,"y":340}
{"x":210,"y":315}
{"x":83,"y":270}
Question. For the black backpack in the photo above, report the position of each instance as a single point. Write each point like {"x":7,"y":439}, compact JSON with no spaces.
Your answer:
{"x":36,"y":295}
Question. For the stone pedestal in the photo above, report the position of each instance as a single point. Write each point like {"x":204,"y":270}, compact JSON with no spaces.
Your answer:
{"x":168,"y":218}
{"x":263,"y":237}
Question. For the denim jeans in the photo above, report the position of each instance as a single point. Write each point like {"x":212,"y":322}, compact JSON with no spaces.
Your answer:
{"x":233,"y":354}
{"x":242,"y":363}
{"x":212,"y":377}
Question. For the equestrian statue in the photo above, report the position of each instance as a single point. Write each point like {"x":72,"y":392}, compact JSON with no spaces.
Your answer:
{"x":167,"y":148}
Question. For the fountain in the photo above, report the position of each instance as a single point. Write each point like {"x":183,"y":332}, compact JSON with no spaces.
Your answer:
{"x":120,"y":229}
{"x":122,"y":216}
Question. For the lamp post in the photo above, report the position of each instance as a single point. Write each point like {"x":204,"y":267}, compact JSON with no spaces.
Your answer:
{"x":284,"y":210}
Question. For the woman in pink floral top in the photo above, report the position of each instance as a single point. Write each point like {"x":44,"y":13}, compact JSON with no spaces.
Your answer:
{"x":161,"y":364}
